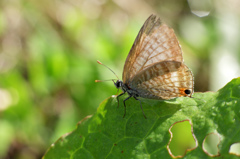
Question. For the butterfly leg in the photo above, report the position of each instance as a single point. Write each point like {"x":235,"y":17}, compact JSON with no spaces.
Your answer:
{"x":119,"y":96}
{"x":141,"y":107}
{"x":125,"y":105}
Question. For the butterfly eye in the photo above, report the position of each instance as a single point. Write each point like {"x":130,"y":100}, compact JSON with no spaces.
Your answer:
{"x":118,"y":83}
{"x":187,"y":91}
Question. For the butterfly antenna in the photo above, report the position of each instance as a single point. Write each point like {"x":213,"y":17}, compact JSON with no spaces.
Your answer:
{"x":108,"y":68}
{"x":105,"y":80}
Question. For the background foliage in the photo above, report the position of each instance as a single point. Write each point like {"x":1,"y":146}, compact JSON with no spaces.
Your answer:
{"x":49,"y":49}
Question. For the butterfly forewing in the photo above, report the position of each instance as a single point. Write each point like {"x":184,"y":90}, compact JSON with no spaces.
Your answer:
{"x":156,"y":42}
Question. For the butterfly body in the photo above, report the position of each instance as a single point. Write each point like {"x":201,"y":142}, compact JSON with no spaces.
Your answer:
{"x":126,"y":89}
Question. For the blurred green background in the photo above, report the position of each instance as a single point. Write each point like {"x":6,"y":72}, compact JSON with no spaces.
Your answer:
{"x":49,"y":49}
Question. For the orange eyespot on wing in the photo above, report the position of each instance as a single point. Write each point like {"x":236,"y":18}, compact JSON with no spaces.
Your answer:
{"x":184,"y":91}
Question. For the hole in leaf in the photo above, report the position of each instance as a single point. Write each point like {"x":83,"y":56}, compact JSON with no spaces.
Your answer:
{"x":182,"y":139}
{"x":210,"y":144}
{"x":235,"y":149}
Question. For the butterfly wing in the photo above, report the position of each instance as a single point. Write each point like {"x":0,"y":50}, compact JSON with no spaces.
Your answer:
{"x":155,"y":42}
{"x":164,"y":80}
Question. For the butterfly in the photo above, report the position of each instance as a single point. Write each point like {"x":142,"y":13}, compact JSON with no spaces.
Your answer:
{"x":154,"y":67}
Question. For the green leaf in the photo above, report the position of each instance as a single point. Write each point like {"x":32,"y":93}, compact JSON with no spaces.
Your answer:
{"x":107,"y":134}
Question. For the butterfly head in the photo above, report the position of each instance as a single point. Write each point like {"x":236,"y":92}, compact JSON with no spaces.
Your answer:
{"x":118,"y":84}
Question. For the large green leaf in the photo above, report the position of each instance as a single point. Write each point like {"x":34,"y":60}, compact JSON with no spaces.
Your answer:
{"x":108,"y":135}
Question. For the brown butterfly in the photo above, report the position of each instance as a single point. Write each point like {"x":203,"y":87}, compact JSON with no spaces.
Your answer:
{"x":154,"y":67}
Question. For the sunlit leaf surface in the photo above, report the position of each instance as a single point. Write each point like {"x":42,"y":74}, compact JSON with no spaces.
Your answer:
{"x":108,"y":135}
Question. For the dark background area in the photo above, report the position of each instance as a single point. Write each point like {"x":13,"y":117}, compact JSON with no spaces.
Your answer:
{"x":48,"y":53}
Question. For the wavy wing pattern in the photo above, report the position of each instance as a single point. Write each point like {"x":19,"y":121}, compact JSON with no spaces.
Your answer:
{"x":154,"y":66}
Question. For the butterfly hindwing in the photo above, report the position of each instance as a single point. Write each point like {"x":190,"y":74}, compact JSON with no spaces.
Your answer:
{"x":164,"y":80}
